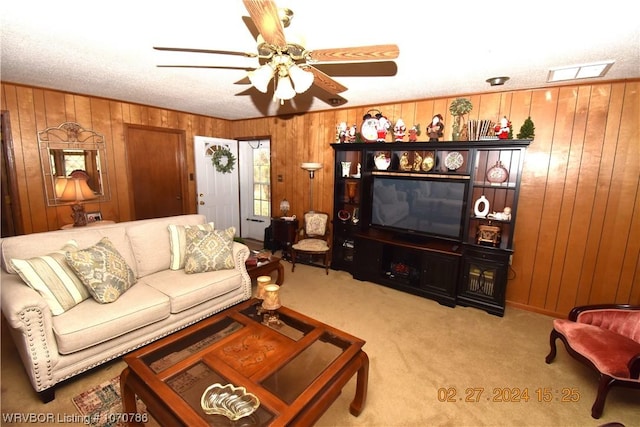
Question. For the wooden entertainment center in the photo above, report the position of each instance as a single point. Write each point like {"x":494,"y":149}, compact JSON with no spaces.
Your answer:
{"x":435,"y":219}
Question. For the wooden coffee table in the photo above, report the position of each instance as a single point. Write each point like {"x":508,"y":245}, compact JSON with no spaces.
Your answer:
{"x":297,"y":369}
{"x":265,"y":267}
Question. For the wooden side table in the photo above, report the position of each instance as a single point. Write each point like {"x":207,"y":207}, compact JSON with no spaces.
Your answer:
{"x":284,"y":234}
{"x":264,"y":268}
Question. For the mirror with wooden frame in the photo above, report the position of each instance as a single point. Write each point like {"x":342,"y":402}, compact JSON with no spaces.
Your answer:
{"x":70,"y":151}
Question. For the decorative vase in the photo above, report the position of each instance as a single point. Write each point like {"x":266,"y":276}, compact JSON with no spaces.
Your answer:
{"x":346,"y":168}
{"x":481,"y":207}
{"x":352,"y":190}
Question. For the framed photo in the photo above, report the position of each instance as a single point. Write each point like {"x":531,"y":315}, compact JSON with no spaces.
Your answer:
{"x":94,"y":216}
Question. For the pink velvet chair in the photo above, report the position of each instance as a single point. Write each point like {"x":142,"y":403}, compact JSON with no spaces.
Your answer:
{"x":606,"y":338}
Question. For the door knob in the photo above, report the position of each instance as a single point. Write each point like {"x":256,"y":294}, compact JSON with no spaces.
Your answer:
{"x":201,"y":202}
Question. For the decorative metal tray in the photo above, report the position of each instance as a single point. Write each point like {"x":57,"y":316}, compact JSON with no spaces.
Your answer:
{"x":228,"y":400}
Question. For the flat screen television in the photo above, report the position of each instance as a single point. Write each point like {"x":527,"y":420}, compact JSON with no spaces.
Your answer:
{"x":419,"y":206}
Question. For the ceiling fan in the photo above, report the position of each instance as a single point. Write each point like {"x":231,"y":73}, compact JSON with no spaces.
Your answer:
{"x":289,"y":63}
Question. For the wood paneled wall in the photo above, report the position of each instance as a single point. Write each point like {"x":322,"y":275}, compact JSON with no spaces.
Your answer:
{"x":577,"y":238}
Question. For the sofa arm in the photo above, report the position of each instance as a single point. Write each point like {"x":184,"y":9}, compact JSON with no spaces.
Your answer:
{"x":31,"y":324}
{"x":241,"y":253}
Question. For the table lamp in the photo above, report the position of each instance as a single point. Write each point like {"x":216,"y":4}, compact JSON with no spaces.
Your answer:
{"x":78,"y":191}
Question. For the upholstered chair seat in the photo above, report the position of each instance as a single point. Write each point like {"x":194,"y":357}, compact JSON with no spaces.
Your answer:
{"x":605,"y":338}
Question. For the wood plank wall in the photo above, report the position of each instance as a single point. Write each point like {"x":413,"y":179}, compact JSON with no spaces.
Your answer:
{"x":577,"y":238}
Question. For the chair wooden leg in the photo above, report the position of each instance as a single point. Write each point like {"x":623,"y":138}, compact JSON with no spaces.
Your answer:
{"x":293,"y":260}
{"x":552,"y":343}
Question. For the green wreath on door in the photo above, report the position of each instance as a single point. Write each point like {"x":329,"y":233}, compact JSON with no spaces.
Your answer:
{"x":223,"y":160}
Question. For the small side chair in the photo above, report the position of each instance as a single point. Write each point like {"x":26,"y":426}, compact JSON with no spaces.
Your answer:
{"x":312,"y":239}
{"x":606,"y":338}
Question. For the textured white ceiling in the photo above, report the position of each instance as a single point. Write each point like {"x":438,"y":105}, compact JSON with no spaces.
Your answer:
{"x":446,"y":48}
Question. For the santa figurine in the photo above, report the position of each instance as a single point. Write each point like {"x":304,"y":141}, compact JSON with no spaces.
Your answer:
{"x":399,"y":130}
{"x":383,"y":126}
{"x":502,"y":129}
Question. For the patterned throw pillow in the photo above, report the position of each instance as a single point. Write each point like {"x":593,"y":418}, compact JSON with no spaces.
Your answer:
{"x":209,"y":250}
{"x":178,"y":241}
{"x":52,"y":277}
{"x":102,"y":270}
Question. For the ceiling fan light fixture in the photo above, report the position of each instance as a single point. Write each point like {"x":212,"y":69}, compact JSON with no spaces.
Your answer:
{"x":261,"y":77}
{"x":284,"y":90}
{"x":302,"y":80}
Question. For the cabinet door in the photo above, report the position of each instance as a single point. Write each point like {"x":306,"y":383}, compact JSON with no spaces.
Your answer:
{"x":440,"y":277}
{"x":484,"y":281}
{"x":367,"y":258}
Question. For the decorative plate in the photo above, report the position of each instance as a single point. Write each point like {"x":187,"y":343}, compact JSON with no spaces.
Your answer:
{"x":382,"y":160}
{"x":497,"y":174}
{"x":343,"y":215}
{"x":454,"y":160}
{"x":228,"y":400}
{"x":428,"y":162}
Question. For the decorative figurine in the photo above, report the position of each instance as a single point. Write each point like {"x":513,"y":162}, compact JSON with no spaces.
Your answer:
{"x":417,"y":161}
{"x":383,"y":126}
{"x":404,"y":162}
{"x":399,"y":130}
{"x":351,"y":133}
{"x":503,"y":128}
{"x":414,"y":132}
{"x":436,"y":128}
{"x":341,"y":132}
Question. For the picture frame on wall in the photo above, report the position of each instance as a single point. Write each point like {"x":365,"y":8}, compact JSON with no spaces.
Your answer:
{"x":94,"y":216}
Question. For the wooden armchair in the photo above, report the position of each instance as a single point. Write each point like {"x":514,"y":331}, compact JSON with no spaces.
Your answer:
{"x":313,"y":239}
{"x":606,"y":338}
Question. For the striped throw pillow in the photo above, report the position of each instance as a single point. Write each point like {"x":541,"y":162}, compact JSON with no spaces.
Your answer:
{"x":178,"y":240}
{"x":53,"y":278}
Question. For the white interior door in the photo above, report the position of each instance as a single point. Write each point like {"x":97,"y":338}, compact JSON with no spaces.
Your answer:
{"x":255,"y":188}
{"x":218,"y":193}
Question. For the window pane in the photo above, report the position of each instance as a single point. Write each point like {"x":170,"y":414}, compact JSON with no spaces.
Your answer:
{"x":261,"y":182}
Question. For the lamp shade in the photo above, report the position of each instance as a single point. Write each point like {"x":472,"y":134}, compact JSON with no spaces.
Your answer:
{"x":285,"y":89}
{"x":261,"y":77}
{"x":302,"y":80}
{"x":77,"y":190}
{"x":61,"y":183}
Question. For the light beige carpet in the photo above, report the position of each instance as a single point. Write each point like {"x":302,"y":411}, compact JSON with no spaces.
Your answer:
{"x":426,"y":359}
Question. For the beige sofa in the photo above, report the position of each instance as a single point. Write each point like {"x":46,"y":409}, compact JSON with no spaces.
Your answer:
{"x":162,"y":301}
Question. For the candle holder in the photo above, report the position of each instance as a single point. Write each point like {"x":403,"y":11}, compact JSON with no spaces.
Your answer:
{"x":270,"y":304}
{"x":262,"y":282}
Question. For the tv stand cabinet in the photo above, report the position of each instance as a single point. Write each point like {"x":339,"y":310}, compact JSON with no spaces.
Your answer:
{"x":471,"y":271}
{"x":429,"y":269}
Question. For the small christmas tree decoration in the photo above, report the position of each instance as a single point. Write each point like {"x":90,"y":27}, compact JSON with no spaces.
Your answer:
{"x":527,"y":131}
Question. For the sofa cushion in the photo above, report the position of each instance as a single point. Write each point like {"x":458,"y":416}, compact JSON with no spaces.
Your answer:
{"x":36,"y":244}
{"x":596,"y":344}
{"x":178,"y":242}
{"x":150,"y":241}
{"x":102,"y":270}
{"x":208,"y":250}
{"x":53,"y":278}
{"x":188,"y":290}
{"x":91,"y":323}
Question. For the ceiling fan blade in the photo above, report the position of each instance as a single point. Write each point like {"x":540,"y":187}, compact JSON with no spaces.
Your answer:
{"x":220,"y":52}
{"x":264,"y":14}
{"x":358,"y":69}
{"x":361,"y":53}
{"x":220,"y":67}
{"x":325,"y":82}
